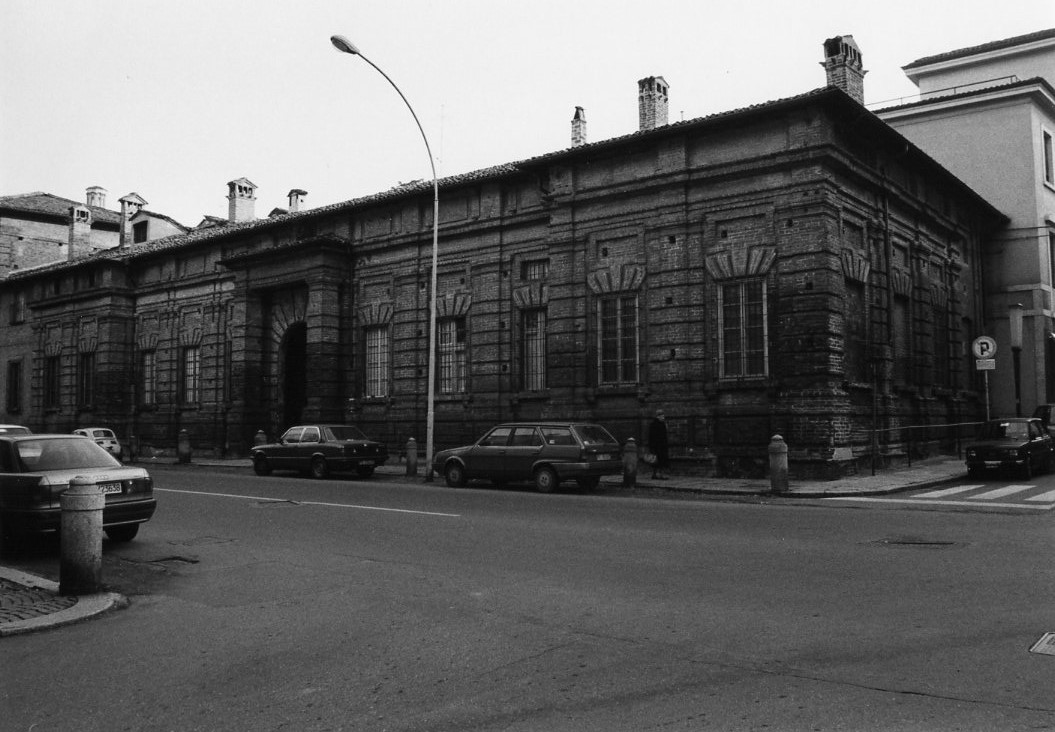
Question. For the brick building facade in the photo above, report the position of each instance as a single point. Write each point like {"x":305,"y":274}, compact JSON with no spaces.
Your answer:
{"x":796,"y":267}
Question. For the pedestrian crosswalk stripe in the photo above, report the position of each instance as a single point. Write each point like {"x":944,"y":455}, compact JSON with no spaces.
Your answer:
{"x":1001,"y":492}
{"x":1049,"y":496}
{"x":950,"y":491}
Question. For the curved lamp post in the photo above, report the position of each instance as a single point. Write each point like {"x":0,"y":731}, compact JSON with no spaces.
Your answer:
{"x":343,"y":45}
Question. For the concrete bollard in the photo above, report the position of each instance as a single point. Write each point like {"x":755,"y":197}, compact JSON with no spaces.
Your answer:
{"x":133,"y":448}
{"x":412,"y":456}
{"x":81,"y":536}
{"x":630,"y":463}
{"x":778,"y":465}
{"x":260,"y":438}
{"x":183,"y":447}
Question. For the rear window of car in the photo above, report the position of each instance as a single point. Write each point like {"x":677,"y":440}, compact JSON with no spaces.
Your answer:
{"x":1001,"y":430}
{"x":103,"y":434}
{"x":65,"y":454}
{"x":558,"y":436}
{"x":344,"y":432}
{"x":592,"y":434}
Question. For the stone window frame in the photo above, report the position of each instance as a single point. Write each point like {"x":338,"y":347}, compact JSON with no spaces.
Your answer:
{"x":623,"y":340}
{"x":743,"y":316}
{"x":377,"y":361}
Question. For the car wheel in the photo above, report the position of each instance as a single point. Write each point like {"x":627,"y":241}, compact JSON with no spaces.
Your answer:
{"x":973,"y":471}
{"x":364,"y":471}
{"x":589,"y":484}
{"x":319,"y":468}
{"x":454,"y":474}
{"x":123,"y":533}
{"x":260,"y":465}
{"x":546,"y":480}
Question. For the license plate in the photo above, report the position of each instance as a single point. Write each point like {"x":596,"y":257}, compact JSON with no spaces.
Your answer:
{"x":110,"y":487}
{"x":366,"y":463}
{"x":605,"y":456}
{"x":992,"y":463}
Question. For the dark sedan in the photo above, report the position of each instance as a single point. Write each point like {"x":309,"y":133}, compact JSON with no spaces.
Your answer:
{"x":545,"y":453}
{"x":36,"y":469}
{"x":1016,"y":443}
{"x":321,"y":449}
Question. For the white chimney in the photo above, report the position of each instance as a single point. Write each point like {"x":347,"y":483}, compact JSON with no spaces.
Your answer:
{"x":241,"y":200}
{"x":96,"y":196}
{"x":295,"y":197}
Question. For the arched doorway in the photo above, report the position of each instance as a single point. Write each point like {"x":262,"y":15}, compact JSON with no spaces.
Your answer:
{"x":293,"y":359}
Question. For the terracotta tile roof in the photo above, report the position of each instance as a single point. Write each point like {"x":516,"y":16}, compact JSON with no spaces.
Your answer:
{"x":977,"y":91}
{"x":51,"y":205}
{"x":983,"y":48}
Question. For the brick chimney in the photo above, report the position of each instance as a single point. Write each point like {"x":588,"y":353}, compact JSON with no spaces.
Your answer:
{"x":96,"y":196}
{"x":295,"y":197}
{"x":80,"y":233}
{"x":844,"y":66}
{"x":131,"y":204}
{"x":652,"y":94}
{"x":578,"y":128}
{"x":241,"y":200}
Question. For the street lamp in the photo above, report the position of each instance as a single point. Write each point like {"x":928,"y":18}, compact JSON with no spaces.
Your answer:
{"x":343,"y":45}
{"x":1014,"y":313}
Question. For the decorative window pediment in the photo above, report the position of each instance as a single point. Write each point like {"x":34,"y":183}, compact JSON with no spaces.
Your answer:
{"x":855,"y":266}
{"x":739,"y":263}
{"x":375,"y":313}
{"x":455,"y":305}
{"x":535,"y":295}
{"x":626,"y":278}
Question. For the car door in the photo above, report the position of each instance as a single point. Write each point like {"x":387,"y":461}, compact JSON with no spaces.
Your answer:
{"x":525,"y":445}
{"x":485,"y":459}
{"x":283,"y":455}
{"x":307,"y":447}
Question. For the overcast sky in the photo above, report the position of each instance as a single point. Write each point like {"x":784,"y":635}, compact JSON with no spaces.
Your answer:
{"x":171,"y":99}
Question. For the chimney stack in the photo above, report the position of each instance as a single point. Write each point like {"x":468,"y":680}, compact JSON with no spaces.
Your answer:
{"x":130,"y":205}
{"x":96,"y":196}
{"x":844,"y":66}
{"x":652,"y":94}
{"x":80,"y":233}
{"x":295,"y":197}
{"x":241,"y":200}
{"x":578,"y":128}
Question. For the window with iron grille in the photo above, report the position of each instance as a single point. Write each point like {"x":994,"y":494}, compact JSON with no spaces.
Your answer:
{"x":52,"y":381}
{"x":14,"y":387}
{"x":534,"y":269}
{"x":377,"y":351}
{"x":451,"y":355}
{"x":533,"y":349}
{"x":147,"y":378}
{"x":86,"y":379}
{"x":743,"y":328}
{"x":190,"y":376}
{"x":617,"y":331}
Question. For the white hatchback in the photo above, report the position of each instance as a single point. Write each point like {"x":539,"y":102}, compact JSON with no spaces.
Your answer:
{"x":103,"y":437}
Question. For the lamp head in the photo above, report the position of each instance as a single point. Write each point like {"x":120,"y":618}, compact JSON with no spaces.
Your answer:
{"x":343,"y":45}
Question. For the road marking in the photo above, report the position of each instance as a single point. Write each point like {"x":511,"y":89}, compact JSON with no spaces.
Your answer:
{"x":938,"y":502}
{"x":272,"y":499}
{"x":1049,"y":496}
{"x":950,"y":491}
{"x":1001,"y":492}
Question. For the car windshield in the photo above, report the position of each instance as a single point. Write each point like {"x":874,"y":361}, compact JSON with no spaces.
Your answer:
{"x":14,"y":430}
{"x":1005,"y":431}
{"x":593,"y":434}
{"x":344,"y":432}
{"x":63,"y":454}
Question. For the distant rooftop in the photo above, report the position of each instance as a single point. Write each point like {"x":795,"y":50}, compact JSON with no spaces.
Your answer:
{"x":983,"y":48}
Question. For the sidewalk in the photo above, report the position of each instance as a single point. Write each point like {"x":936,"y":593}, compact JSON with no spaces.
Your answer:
{"x":29,"y":603}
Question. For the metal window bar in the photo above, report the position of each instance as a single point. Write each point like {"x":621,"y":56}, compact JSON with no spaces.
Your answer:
{"x":377,"y":361}
{"x":533,"y":335}
{"x":451,"y":356}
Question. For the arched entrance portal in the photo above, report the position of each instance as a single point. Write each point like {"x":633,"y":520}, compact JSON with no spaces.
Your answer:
{"x":294,"y":352}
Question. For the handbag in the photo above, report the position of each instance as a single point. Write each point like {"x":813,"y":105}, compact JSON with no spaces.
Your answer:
{"x":648,"y":456}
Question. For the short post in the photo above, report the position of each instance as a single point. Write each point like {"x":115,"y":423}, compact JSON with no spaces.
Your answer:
{"x":778,"y":465}
{"x":412,"y":456}
{"x":133,"y":448}
{"x":81,"y":536}
{"x":259,"y":438}
{"x":630,"y":463}
{"x":183,"y":447}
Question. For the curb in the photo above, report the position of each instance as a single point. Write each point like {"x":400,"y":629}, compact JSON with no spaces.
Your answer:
{"x":85,"y":607}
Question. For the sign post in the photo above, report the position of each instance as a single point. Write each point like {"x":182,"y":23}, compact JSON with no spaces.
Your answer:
{"x":984,"y":350}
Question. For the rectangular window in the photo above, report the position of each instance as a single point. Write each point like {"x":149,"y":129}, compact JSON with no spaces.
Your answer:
{"x":902,"y":338}
{"x":18,"y":308}
{"x":618,"y":334}
{"x":1049,"y":159}
{"x":535,"y":269}
{"x":147,"y":379}
{"x":14,"y":387}
{"x":86,"y":380}
{"x":743,"y":329}
{"x":855,"y":337}
{"x":450,"y":349}
{"x":377,"y":351}
{"x":942,"y":365}
{"x":533,"y":349}
{"x":1051,"y":257}
{"x":191,"y":375}
{"x":139,"y":232}
{"x":52,"y":381}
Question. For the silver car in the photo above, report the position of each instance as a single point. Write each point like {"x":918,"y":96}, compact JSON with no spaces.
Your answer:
{"x":103,"y":437}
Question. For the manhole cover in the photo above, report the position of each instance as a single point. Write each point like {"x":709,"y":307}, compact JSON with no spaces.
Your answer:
{"x":1045,"y":645}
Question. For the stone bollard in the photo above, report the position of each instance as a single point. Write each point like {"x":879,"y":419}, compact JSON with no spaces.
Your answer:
{"x":183,"y":447}
{"x":81,"y":536}
{"x":133,"y":448}
{"x":412,"y":456}
{"x":778,"y":465}
{"x":630,"y":463}
{"x":259,"y":438}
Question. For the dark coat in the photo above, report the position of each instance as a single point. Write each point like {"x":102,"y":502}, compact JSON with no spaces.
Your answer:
{"x":657,"y":441}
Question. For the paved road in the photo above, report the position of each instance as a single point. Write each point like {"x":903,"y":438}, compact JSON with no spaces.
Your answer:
{"x":286,"y":603}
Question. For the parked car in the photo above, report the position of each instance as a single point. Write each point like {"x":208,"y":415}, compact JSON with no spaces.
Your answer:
{"x":546,"y":453}
{"x":103,"y":437}
{"x":321,"y":449}
{"x":14,"y":429}
{"x":36,"y":469}
{"x":1015,"y":443}
{"x":1045,"y":412}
